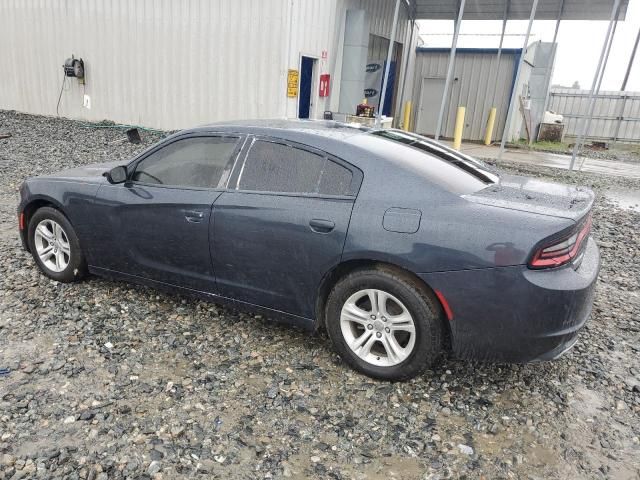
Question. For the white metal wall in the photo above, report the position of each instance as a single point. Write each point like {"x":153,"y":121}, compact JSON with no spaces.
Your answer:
{"x":162,"y":63}
{"x":616,"y":115}
{"x":174,"y":63}
{"x":472,"y":88}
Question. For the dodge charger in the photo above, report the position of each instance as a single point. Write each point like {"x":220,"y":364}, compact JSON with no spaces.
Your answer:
{"x":400,"y":248}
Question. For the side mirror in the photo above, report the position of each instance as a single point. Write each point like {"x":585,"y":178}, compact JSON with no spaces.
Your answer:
{"x":117,"y":175}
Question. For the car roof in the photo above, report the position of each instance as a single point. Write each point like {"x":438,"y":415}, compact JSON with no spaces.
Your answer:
{"x":284,"y":128}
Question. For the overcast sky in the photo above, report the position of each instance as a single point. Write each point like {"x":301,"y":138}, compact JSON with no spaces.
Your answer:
{"x":579,"y":45}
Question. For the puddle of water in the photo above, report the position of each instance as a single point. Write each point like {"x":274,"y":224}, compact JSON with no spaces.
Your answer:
{"x":628,"y":199}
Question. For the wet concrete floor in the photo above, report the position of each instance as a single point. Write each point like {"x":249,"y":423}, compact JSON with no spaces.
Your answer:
{"x":592,"y":165}
{"x":625,"y":198}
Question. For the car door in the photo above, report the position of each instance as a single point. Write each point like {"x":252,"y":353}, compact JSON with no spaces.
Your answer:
{"x":283,"y":226}
{"x":156,"y":225}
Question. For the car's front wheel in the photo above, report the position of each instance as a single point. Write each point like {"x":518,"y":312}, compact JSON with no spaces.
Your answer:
{"x":55,"y":247}
{"x":384,"y":324}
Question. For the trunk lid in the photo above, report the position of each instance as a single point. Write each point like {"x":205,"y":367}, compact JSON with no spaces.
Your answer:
{"x":536,"y":196}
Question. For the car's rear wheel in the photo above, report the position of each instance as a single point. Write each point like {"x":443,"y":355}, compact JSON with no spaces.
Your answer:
{"x":384,"y":324}
{"x":55,"y":246}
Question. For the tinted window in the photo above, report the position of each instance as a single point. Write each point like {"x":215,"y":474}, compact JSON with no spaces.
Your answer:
{"x":417,"y":162}
{"x":470,"y":165}
{"x":192,"y":162}
{"x":335,"y":179}
{"x":275,"y":167}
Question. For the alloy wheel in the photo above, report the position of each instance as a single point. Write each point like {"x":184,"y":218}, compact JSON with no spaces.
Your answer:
{"x":52,"y":245}
{"x":377,"y":327}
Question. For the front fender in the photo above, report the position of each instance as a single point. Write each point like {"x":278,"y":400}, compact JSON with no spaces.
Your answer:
{"x":72,"y":198}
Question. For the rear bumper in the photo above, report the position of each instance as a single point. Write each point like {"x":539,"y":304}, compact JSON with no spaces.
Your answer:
{"x":516,"y":315}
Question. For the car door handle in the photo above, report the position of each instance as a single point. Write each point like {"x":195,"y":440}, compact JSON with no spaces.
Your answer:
{"x":193,"y":216}
{"x":319,"y":225}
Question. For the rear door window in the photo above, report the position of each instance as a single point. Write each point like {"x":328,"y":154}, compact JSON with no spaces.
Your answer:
{"x":335,"y":179}
{"x":278,"y":167}
{"x":191,"y":162}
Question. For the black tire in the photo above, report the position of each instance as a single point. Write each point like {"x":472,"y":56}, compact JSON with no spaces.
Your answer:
{"x":76,"y":268}
{"x":426,"y":314}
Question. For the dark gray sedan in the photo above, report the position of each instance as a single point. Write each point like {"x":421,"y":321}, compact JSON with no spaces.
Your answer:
{"x":396,"y":245}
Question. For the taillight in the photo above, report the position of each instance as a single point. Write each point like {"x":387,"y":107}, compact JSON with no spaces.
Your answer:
{"x":21,"y":221}
{"x":561,"y":251}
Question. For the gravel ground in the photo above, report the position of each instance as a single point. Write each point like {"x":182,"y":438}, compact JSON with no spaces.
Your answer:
{"x":109,"y":380}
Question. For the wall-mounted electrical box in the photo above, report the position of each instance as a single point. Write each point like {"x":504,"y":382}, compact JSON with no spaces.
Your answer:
{"x":74,"y":67}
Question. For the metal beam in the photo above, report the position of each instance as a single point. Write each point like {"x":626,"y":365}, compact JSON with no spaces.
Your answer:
{"x":514,"y":93}
{"x":554,"y":48}
{"x":633,"y":56}
{"x":594,"y":84}
{"x":601,"y":76}
{"x":392,"y":41}
{"x":452,"y":57}
{"x":499,"y":54}
{"x":590,"y":113}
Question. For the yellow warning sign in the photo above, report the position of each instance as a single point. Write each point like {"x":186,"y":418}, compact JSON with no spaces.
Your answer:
{"x":292,"y":83}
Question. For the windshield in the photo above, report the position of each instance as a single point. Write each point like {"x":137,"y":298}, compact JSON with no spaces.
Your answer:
{"x":470,"y":165}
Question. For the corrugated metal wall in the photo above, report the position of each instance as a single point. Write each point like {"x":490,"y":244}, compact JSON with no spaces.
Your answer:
{"x":174,"y":63}
{"x":472,"y":88}
{"x":616,"y":115}
{"x":161,"y":63}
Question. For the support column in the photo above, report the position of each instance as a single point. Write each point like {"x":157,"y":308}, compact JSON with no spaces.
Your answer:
{"x":514,"y":93}
{"x":624,"y":86}
{"x":488,"y":134}
{"x":595,"y":97}
{"x":354,"y":60}
{"x":499,"y":54}
{"x":407,"y":53}
{"x":554,"y":49}
{"x":452,"y":57}
{"x":633,"y":56}
{"x":605,"y":45}
{"x":392,"y":41}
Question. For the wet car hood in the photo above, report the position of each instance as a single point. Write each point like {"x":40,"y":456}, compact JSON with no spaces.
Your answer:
{"x":93,"y":172}
{"x":536,"y":196}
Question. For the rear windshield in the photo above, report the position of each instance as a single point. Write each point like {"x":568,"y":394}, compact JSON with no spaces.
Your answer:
{"x":465,"y":163}
{"x":420,"y":163}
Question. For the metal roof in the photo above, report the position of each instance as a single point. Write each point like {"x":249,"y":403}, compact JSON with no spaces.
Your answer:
{"x":517,"y":9}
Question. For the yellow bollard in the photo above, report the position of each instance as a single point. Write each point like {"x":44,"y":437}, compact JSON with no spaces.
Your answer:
{"x":457,"y":132}
{"x":407,"y":116}
{"x":490,"y":122}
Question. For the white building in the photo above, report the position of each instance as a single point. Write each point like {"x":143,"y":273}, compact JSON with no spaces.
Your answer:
{"x":177,"y":63}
